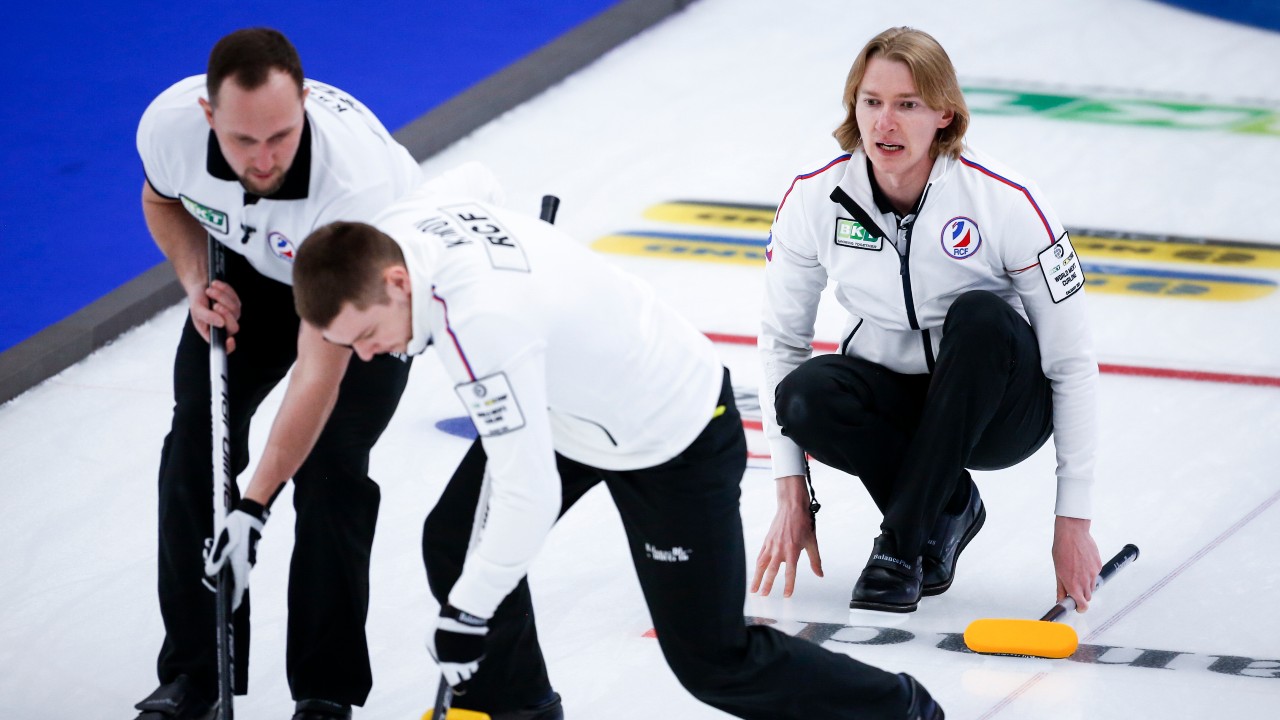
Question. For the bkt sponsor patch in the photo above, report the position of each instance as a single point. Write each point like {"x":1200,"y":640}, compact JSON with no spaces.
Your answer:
{"x":851,"y":233}
{"x":492,"y":405}
{"x":207,"y":216}
{"x":281,"y":246}
{"x":960,"y":238}
{"x":1061,"y":268}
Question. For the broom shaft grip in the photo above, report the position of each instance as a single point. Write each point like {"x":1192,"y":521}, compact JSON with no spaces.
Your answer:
{"x":1127,"y":555}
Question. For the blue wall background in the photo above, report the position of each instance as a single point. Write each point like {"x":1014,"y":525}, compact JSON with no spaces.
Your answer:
{"x":1262,"y":13}
{"x":78,"y":75}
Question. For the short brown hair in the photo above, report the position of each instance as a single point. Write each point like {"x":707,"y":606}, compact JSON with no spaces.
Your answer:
{"x":935,"y":78}
{"x":248,"y":56}
{"x":341,"y":263}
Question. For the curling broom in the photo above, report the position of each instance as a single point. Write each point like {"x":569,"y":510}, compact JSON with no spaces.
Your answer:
{"x":1039,"y":638}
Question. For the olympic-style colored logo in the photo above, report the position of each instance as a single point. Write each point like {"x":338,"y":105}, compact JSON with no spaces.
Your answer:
{"x":281,"y":246}
{"x":961,"y":238}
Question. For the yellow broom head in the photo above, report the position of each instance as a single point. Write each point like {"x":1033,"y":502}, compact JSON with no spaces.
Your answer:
{"x":1035,"y":638}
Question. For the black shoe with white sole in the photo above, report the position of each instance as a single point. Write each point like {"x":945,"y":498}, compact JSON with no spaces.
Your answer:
{"x":888,"y":583}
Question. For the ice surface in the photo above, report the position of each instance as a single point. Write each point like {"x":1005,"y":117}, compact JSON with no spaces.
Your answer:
{"x":728,"y":101}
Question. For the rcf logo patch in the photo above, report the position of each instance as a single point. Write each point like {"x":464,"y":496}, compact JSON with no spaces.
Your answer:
{"x":281,"y":246}
{"x":960,"y":238}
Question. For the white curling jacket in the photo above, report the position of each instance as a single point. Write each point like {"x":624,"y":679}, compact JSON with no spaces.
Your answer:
{"x":348,"y":167}
{"x":552,"y":350}
{"x":978,"y":226}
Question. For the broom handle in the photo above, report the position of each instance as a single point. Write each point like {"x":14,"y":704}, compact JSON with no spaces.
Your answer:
{"x":1126,"y":555}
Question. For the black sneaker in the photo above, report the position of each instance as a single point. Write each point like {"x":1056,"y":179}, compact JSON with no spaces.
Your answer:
{"x":321,"y":710}
{"x":920,"y":705}
{"x":888,"y":583}
{"x":549,"y":710}
{"x":951,"y":534}
{"x":177,"y":700}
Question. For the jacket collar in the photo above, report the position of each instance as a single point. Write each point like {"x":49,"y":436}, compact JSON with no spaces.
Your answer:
{"x":937,"y":175}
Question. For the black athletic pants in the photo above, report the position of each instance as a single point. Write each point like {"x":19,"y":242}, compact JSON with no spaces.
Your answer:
{"x":685,"y":535}
{"x":909,"y":438}
{"x":335,"y":500}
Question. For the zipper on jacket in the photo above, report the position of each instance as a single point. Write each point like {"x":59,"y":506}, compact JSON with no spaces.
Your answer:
{"x":840,"y":197}
{"x":906,"y":281}
{"x":906,"y":265}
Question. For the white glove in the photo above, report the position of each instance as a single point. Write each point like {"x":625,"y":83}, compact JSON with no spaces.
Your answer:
{"x":237,"y":544}
{"x":458,"y":645}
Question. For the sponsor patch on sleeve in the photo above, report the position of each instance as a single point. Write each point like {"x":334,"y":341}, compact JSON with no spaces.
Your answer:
{"x":492,"y":405}
{"x":1061,"y":268}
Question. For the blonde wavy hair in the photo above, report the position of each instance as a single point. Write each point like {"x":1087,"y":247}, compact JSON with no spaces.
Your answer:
{"x":935,"y":79}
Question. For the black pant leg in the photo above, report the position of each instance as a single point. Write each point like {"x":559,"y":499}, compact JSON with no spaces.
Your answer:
{"x":185,"y":480}
{"x":685,"y":532}
{"x":337,"y":510}
{"x":513,"y":674}
{"x":853,"y":415}
{"x":989,"y":406}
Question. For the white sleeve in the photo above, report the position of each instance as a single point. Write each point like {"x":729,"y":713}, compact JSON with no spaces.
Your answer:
{"x":509,"y":407}
{"x":1067,"y":357}
{"x":148,"y":142}
{"x":793,"y":283}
